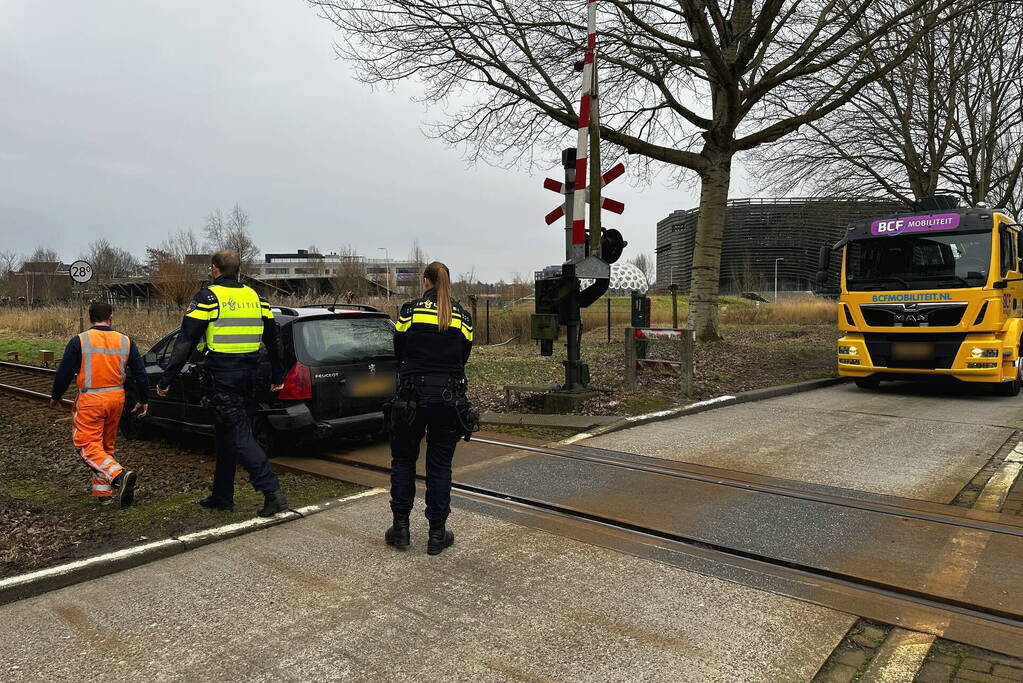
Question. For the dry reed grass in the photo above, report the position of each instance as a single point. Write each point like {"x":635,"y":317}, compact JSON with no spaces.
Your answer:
{"x":506,"y":323}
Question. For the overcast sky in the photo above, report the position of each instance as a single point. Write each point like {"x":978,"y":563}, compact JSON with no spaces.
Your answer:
{"x":128,"y":120}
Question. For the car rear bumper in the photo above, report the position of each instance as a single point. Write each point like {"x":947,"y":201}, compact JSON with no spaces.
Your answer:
{"x":298,"y":421}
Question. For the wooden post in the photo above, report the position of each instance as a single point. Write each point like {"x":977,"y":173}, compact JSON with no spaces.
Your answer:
{"x":630,"y":358}
{"x":488,"y":322}
{"x":687,"y":349}
{"x":674,"y":305}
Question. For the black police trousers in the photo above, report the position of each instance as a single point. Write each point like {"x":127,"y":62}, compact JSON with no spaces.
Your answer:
{"x":437,"y":419}
{"x":228,"y":393}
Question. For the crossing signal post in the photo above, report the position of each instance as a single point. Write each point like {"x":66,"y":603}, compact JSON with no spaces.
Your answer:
{"x":590,"y":252}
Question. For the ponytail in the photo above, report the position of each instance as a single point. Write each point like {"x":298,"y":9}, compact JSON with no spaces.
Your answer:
{"x":439,"y":276}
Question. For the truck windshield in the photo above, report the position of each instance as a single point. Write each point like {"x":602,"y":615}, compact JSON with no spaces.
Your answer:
{"x":929,"y":261}
{"x":326,"y":341}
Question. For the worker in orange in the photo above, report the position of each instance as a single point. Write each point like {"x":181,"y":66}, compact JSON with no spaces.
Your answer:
{"x":99,"y":357}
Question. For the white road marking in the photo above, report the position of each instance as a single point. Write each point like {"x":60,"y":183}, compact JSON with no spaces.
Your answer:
{"x":899,"y":658}
{"x":227,"y":530}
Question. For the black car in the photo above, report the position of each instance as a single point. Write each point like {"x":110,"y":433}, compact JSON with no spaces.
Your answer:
{"x":340,"y":368}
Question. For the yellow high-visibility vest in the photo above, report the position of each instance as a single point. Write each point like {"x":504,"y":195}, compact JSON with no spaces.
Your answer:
{"x":238,"y":325}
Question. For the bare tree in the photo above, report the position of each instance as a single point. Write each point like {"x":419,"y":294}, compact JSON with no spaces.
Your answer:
{"x":231,"y":231}
{"x":418,"y":260}
{"x":950,"y":118}
{"x":350,"y":281}
{"x":691,"y":84}
{"x":43,"y":255}
{"x":109,"y":262}
{"x":173,"y":275}
{"x":9,"y":263}
{"x":465,"y":286}
{"x":646,"y":265}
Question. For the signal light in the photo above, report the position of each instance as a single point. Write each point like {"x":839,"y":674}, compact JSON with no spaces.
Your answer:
{"x":298,"y":384}
{"x":612,"y":244}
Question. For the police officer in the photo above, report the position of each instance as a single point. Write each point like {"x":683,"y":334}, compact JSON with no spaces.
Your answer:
{"x":227,"y":320}
{"x":432,"y":340}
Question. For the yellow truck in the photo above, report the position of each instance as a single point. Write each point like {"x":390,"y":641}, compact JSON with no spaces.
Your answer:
{"x":931,"y":295}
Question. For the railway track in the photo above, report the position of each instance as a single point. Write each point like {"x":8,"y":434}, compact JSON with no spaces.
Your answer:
{"x":29,"y":380}
{"x":930,"y":567}
{"x":646,"y":506}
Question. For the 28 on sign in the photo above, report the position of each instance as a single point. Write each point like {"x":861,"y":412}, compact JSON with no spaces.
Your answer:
{"x":81,"y":271}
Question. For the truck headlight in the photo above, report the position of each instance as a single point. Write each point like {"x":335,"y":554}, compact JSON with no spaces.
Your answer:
{"x":984,"y":353}
{"x":847,"y":350}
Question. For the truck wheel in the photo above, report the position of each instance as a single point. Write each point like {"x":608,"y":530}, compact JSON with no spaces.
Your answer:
{"x":867,"y":382}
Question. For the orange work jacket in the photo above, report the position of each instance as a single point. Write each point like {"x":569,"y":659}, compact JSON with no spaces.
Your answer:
{"x":104,"y":358}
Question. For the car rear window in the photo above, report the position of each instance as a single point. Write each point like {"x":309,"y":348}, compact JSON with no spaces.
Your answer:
{"x":324,"y":341}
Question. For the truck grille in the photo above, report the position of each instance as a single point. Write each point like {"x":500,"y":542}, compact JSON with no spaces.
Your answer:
{"x":946,"y":346}
{"x":913,"y":315}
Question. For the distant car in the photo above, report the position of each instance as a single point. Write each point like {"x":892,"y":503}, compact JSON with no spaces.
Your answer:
{"x":340,"y":368}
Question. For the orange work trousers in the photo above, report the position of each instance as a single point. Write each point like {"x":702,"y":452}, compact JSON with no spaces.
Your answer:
{"x":94,"y":430}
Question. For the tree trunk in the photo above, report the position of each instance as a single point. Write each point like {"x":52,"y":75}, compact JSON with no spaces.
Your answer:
{"x":710,"y":228}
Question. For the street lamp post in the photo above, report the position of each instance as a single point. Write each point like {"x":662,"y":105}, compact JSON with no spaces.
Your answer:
{"x":780,"y":258}
{"x":387,"y":271}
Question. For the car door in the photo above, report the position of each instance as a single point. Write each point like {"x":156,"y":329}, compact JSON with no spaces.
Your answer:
{"x":169,"y":408}
{"x":195,"y":413}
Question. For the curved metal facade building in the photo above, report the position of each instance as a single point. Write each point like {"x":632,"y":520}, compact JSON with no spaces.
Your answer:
{"x":758,"y":231}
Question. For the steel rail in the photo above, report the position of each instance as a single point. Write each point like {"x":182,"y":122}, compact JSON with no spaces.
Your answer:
{"x":26,"y":368}
{"x":22,"y":391}
{"x":950,"y":518}
{"x":32,"y":394}
{"x":726,"y":554}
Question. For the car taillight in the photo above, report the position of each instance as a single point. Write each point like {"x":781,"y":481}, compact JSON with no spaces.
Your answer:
{"x":298,"y":384}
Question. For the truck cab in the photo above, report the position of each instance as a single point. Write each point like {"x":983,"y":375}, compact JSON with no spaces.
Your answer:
{"x":932,"y":295}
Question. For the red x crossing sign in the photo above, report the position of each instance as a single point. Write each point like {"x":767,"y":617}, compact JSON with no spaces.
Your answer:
{"x":611,"y":205}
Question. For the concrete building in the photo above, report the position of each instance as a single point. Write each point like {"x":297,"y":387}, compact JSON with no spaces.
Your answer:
{"x":759,"y":231}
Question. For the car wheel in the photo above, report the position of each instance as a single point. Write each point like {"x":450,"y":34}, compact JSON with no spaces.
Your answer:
{"x":867,"y":382}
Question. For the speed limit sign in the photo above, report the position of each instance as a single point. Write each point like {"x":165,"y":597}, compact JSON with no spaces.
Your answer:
{"x":81,"y":271}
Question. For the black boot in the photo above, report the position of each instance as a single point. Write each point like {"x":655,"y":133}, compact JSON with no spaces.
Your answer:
{"x":439,"y":540}
{"x":273,"y":502}
{"x":212,"y":502}
{"x":398,"y":535}
{"x":125,"y":485}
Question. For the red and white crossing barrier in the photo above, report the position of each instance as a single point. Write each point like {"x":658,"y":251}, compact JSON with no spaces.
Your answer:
{"x":589,"y":121}
{"x":660,"y":334}
{"x":659,"y":367}
{"x":682,"y":368}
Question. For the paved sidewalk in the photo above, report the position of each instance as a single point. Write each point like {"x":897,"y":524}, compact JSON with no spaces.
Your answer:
{"x":323,"y":599}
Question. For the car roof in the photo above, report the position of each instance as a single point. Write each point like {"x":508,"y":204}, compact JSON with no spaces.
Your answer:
{"x":327,"y":311}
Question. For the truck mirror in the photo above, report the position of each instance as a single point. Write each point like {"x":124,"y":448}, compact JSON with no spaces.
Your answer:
{"x":999,"y":284}
{"x":824,"y":259}
{"x":822,"y":277}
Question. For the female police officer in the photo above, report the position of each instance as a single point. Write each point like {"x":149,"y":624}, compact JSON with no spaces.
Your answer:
{"x":433,"y":339}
